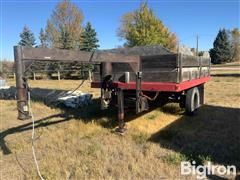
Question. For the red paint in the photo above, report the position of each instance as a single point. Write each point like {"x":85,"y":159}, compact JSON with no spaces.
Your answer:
{"x":158,"y":86}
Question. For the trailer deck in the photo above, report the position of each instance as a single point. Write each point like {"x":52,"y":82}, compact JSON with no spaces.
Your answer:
{"x":157,"y":86}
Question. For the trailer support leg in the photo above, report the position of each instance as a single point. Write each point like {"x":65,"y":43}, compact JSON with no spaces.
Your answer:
{"x":138,"y":90}
{"x":22,"y":99}
{"x":121,"y":123}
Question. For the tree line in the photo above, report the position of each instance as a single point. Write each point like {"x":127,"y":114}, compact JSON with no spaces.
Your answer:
{"x":65,"y":30}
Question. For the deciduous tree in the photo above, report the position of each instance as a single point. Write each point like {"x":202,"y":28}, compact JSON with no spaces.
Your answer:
{"x":143,"y":27}
{"x":6,"y":67}
{"x":66,"y":17}
{"x":43,"y":38}
{"x":64,"y":31}
{"x":235,"y":39}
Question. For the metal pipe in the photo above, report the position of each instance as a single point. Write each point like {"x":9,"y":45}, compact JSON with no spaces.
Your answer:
{"x":120,"y":97}
{"x":22,"y":100}
{"x":138,"y":90}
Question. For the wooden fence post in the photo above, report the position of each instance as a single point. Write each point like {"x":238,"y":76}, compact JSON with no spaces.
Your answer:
{"x":34,"y":76}
{"x":59,"y":76}
{"x":90,"y":75}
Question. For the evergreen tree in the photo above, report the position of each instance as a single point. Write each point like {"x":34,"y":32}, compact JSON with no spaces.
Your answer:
{"x":65,"y":41}
{"x":89,"y":42}
{"x":43,"y":38}
{"x":143,"y":27}
{"x":39,"y":66}
{"x":222,"y":50}
{"x":89,"y":39}
{"x":27,"y":38}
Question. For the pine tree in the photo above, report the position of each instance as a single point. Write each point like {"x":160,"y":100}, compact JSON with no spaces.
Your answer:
{"x":143,"y":27}
{"x":222,"y":50}
{"x":43,"y":38}
{"x":39,"y":66}
{"x":89,"y":41}
{"x":65,"y":41}
{"x":27,"y":38}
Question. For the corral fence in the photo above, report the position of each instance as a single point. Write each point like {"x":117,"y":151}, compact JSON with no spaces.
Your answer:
{"x":54,"y":75}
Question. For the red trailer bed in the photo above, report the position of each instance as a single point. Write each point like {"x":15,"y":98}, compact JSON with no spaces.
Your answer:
{"x":158,"y":86}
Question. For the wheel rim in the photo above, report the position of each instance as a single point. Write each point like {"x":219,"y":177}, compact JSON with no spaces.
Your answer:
{"x":195,"y":101}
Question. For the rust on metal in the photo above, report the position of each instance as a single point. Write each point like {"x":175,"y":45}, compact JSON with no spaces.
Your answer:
{"x":22,"y":94}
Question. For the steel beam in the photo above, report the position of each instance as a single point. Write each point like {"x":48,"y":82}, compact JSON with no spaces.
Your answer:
{"x":120,"y":97}
{"x":46,"y":54}
{"x":22,"y":99}
{"x":138,"y":91}
{"x":28,"y":55}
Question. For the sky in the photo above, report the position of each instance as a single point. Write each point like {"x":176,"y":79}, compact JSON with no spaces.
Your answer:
{"x":186,"y":18}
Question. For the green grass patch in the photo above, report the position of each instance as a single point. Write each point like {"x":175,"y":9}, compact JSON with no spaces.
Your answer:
{"x":216,"y":80}
{"x":171,"y":108}
{"x":237,"y":94}
{"x":140,"y":138}
{"x":173,"y":158}
{"x":152,"y":117}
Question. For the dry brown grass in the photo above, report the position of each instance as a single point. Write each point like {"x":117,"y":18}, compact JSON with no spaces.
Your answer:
{"x":81,"y":145}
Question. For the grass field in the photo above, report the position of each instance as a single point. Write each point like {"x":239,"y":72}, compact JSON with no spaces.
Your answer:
{"x":81,"y":144}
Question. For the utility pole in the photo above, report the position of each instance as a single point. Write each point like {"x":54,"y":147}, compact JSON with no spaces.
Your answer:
{"x":197,"y":47}
{"x":178,"y":46}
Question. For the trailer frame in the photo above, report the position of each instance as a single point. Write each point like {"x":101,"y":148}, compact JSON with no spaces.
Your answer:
{"x":24,"y":57}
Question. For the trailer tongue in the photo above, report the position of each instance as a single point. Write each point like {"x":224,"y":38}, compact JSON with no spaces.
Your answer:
{"x":126,"y":73}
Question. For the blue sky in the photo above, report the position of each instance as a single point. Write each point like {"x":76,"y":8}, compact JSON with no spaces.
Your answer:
{"x":185,"y":18}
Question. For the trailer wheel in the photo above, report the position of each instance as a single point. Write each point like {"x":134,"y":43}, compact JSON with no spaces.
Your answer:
{"x":192,"y":100}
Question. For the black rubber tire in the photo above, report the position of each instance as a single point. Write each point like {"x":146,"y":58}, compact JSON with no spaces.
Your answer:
{"x":192,"y":102}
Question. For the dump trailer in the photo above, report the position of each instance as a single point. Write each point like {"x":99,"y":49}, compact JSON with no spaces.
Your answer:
{"x":131,"y":78}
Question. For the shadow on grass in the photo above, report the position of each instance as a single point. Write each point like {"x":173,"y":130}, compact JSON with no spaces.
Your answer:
{"x":105,"y":118}
{"x":213,"y":134}
{"x":226,"y":75}
{"x":86,"y":114}
{"x":28,"y":126}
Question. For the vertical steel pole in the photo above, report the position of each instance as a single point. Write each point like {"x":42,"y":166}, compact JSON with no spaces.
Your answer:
{"x":120,"y":97}
{"x":197,"y":47}
{"x":101,"y":90}
{"x":22,"y":99}
{"x":138,"y":90}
